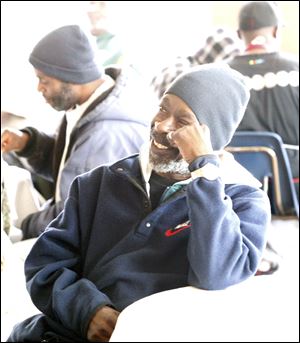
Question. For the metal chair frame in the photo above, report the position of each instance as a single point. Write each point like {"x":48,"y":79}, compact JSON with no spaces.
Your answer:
{"x":250,"y":142}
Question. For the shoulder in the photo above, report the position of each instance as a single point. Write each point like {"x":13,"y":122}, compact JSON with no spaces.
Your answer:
{"x":166,"y":75}
{"x":290,"y":60}
{"x":130,"y":164}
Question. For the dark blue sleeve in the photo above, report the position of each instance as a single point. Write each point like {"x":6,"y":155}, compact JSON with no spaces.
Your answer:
{"x":53,"y":271}
{"x":228,"y":235}
{"x":34,"y":224}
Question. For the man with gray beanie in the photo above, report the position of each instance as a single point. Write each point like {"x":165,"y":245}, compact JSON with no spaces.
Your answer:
{"x":103,"y":120}
{"x":182,"y":212}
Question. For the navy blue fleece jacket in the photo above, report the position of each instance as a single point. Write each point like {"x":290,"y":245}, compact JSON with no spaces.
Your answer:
{"x":109,"y":248}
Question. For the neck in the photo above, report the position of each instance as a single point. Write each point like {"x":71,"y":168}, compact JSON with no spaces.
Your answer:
{"x":88,"y":89}
{"x":259,"y":45}
{"x":256,"y":48}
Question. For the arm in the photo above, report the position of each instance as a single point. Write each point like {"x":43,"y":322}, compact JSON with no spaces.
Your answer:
{"x":100,"y":143}
{"x":102,"y":324}
{"x":54,"y":269}
{"x":36,"y":146}
{"x":13,"y":140}
{"x":39,"y":152}
{"x":34,"y":224}
{"x":228,"y":223}
{"x":229,"y":232}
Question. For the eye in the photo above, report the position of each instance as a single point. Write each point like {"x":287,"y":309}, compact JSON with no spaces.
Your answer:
{"x":43,"y":81}
{"x":162,"y":109}
{"x":183,"y":122}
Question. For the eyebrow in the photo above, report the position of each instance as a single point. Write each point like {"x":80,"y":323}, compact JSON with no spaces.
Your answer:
{"x":184,"y":114}
{"x":165,"y":102}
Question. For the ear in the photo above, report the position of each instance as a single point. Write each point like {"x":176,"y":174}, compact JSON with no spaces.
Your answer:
{"x":275,"y":31}
{"x":239,"y":34}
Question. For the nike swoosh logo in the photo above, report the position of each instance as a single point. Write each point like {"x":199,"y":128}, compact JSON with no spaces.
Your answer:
{"x":177,"y":229}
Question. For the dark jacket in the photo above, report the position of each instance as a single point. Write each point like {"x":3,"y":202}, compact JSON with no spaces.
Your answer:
{"x":113,"y":127}
{"x":274,"y":103}
{"x":109,"y":248}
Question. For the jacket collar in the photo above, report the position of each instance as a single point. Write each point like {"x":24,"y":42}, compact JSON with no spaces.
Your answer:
{"x":231,"y":171}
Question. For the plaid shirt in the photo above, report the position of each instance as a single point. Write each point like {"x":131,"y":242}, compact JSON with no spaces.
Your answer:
{"x":219,"y":46}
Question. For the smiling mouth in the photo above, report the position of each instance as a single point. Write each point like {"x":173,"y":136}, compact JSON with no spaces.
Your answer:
{"x":160,"y":146}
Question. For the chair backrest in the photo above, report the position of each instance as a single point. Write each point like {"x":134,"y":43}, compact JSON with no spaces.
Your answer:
{"x":264,"y":155}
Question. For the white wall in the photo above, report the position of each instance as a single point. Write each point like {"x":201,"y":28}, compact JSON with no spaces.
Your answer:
{"x":153,"y":32}
{"x":23,"y":24}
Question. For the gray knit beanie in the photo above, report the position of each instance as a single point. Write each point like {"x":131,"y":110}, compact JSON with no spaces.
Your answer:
{"x":218,"y":97}
{"x":67,"y":55}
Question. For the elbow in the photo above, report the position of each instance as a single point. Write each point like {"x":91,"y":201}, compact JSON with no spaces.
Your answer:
{"x":222,"y":279}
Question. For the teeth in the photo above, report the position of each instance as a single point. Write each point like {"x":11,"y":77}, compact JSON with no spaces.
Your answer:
{"x":160,"y":146}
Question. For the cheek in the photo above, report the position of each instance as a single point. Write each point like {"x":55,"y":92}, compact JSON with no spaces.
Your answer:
{"x":54,"y":92}
{"x":155,"y":125}
{"x":154,"y":121}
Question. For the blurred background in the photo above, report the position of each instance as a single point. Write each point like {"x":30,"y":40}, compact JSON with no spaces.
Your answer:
{"x":151,"y":32}
{"x":152,"y":35}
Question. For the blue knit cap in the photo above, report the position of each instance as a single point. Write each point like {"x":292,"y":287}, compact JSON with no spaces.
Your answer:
{"x":218,"y":97}
{"x":67,"y":55}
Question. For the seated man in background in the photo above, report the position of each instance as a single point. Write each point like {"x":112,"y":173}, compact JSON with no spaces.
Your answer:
{"x":220,"y":45}
{"x":103,"y":121}
{"x":179,"y":213}
{"x":272,"y":76}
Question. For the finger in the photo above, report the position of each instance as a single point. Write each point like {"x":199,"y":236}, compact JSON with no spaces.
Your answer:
{"x":169,"y":136}
{"x":205,"y":130}
{"x":3,"y":146}
{"x":204,"y":127}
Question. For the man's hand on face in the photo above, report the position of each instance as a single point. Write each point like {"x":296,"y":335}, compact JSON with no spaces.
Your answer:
{"x":192,"y":141}
{"x":102,"y":324}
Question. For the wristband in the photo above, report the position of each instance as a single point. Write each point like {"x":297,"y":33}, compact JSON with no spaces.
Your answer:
{"x":209,"y":172}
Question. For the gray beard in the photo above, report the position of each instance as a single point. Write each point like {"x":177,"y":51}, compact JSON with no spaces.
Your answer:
{"x":173,"y":167}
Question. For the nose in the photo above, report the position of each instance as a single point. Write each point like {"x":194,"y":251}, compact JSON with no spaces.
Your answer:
{"x":165,"y":126}
{"x":40,"y":87}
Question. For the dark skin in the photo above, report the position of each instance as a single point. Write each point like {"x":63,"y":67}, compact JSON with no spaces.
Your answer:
{"x":71,"y":94}
{"x":104,"y":321}
{"x":177,"y":124}
{"x":102,"y":324}
{"x":187,"y":139}
{"x":60,"y":95}
{"x":177,"y":134}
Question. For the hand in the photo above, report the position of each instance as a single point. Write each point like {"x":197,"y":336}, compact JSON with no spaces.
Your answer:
{"x":13,"y":140}
{"x":192,"y":141}
{"x":102,"y":324}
